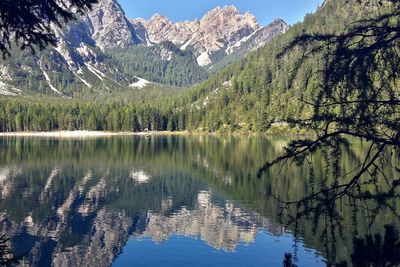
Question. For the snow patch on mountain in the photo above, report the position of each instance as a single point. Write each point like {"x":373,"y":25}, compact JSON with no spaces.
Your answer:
{"x":165,"y":54}
{"x":237,"y":45}
{"x":9,"y":90}
{"x":204,"y":59}
{"x":140,"y":83}
{"x":46,"y":76}
{"x":96,"y":72}
{"x":83,"y":80}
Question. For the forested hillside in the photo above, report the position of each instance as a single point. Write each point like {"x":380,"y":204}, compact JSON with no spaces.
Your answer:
{"x":263,"y":88}
{"x":247,"y":95}
{"x":163,"y":63}
{"x":109,"y":71}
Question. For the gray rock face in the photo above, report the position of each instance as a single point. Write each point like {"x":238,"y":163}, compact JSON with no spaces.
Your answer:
{"x":260,"y":37}
{"x":83,"y":47}
{"x":104,"y":27}
{"x":109,"y":27}
{"x":220,"y":30}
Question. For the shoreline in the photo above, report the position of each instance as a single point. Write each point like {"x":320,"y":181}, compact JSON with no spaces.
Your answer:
{"x":87,"y":134}
{"x":73,"y":134}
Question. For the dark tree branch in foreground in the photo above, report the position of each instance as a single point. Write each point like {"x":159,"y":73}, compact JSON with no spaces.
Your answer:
{"x":28,"y":23}
{"x":358,"y":96}
{"x":358,"y":91}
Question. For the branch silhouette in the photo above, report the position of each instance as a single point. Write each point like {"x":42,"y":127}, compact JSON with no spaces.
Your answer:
{"x":28,"y":24}
{"x":357,"y":94}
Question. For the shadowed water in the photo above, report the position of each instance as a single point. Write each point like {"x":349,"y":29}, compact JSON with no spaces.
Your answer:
{"x":170,"y":201}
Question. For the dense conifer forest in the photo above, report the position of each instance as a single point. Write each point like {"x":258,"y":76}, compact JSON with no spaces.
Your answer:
{"x":246,"y":96}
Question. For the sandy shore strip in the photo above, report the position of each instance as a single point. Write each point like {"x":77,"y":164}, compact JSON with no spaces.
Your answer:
{"x":76,"y":134}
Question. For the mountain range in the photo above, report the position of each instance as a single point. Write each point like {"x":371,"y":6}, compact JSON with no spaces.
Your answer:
{"x":105,"y":51}
{"x":258,"y":92}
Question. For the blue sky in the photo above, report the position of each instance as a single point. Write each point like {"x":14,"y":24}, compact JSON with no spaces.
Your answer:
{"x":266,"y":11}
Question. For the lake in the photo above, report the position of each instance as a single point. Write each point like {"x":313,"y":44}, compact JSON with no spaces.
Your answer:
{"x":173,"y":201}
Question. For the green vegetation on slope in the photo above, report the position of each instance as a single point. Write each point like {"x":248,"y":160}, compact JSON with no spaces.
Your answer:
{"x":164,"y":63}
{"x":246,"y":96}
{"x":262,"y":88}
{"x":114,"y":70}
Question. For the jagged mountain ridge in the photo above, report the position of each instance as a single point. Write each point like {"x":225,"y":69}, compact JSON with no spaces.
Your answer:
{"x":222,"y":30}
{"x":79,"y":61}
{"x":84,"y":59}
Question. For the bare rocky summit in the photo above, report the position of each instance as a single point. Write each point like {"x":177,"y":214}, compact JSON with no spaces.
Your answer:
{"x":216,"y":35}
{"x":88,"y":52}
{"x":223,"y":29}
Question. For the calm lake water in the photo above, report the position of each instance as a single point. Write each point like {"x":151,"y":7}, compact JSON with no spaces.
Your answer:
{"x":167,"y":201}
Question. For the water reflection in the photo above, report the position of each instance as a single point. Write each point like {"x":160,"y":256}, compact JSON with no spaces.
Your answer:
{"x":81,"y":202}
{"x":220,"y":226}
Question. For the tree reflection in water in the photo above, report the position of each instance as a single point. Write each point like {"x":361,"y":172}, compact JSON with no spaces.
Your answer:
{"x":164,"y":174}
{"x":356,"y":95}
{"x":373,"y":195}
{"x":6,"y":255}
{"x":371,"y":250}
{"x":377,"y":251}
{"x":288,"y":261}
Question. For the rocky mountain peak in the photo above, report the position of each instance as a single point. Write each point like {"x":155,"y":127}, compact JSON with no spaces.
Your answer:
{"x":216,"y":31}
{"x":109,"y":27}
{"x":105,"y":30}
{"x":282,"y":24}
{"x":229,"y":24}
{"x":230,"y":14}
{"x":225,"y":9}
{"x":159,"y":18}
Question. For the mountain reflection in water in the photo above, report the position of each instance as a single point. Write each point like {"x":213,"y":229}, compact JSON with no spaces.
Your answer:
{"x":88,"y":202}
{"x":222,"y":227}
